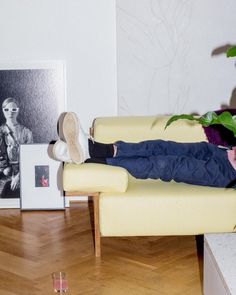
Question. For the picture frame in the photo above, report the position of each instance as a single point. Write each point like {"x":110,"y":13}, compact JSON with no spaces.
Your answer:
{"x":34,"y":92}
{"x":41,"y":178}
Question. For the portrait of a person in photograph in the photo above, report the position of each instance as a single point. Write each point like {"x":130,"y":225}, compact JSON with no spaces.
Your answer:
{"x":31,"y":100}
{"x":12,"y":135}
{"x":42,"y":176}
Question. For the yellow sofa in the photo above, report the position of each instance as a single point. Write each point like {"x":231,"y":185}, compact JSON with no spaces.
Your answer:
{"x":125,"y":206}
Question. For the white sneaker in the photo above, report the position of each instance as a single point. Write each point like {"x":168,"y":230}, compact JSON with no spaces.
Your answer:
{"x":60,"y":151}
{"x":76,"y":138}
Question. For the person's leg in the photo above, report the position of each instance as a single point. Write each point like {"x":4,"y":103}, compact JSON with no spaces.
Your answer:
{"x":79,"y":145}
{"x":213,"y":172}
{"x":198,"y":150}
{"x":201,"y":150}
{"x":100,"y":150}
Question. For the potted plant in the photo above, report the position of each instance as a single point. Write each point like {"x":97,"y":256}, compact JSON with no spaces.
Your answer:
{"x":210,"y":118}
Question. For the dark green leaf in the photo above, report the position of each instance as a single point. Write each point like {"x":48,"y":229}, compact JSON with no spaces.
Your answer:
{"x":227,"y":121}
{"x":208,"y":119}
{"x":178,"y":117}
{"x":231,"y":51}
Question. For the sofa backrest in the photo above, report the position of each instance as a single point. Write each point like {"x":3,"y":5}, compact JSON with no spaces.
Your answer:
{"x":135,"y":129}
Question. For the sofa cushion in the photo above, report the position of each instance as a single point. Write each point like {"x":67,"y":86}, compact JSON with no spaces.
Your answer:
{"x":94,"y":178}
{"x":153,"y":207}
{"x":139,"y":128}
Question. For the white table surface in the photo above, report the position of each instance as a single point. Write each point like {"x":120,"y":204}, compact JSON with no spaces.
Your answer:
{"x":223,"y":248}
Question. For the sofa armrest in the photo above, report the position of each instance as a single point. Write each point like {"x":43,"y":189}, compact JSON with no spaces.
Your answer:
{"x":89,"y":177}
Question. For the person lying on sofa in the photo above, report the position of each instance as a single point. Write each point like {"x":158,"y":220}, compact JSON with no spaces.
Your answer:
{"x":200,"y":163}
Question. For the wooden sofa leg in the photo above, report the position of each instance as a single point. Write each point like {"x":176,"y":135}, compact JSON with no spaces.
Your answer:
{"x":97,"y":238}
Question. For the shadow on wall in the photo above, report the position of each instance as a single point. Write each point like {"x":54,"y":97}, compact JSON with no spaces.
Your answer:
{"x":232,"y":101}
{"x":223,"y":50}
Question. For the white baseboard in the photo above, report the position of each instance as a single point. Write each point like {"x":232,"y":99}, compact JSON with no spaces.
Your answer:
{"x":10,"y":203}
{"x":15,"y":203}
{"x":79,"y":198}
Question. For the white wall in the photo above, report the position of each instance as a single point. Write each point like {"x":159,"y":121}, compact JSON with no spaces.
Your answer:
{"x":81,"y":32}
{"x":165,"y":61}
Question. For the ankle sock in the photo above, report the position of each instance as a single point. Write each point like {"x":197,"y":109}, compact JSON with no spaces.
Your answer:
{"x":100,"y":150}
{"x":96,"y":160}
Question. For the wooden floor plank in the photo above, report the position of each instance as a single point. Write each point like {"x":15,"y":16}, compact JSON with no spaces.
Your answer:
{"x":34,"y":244}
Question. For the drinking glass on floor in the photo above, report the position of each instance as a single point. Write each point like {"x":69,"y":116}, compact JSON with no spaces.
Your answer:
{"x":60,"y":283}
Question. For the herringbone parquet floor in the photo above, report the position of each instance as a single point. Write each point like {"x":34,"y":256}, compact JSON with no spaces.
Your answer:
{"x":34,"y":244}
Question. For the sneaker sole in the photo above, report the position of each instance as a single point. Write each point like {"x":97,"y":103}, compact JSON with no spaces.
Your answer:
{"x":70,"y":128}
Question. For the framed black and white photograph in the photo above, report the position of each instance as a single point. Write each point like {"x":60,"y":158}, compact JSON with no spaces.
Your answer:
{"x":32,"y":97}
{"x":40,"y":177}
